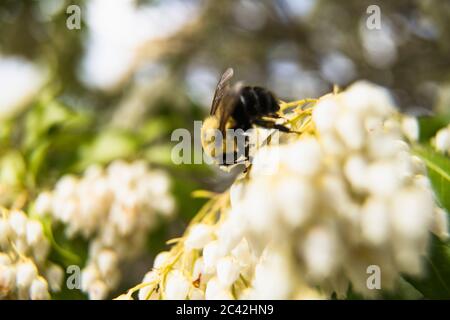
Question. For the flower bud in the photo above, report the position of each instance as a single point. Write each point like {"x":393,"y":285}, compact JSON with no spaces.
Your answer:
{"x":150,"y":277}
{"x":442,"y":140}
{"x":161,"y":259}
{"x":7,"y":279}
{"x":98,"y":290}
{"x":177,"y":286}
{"x":227,"y":271}
{"x":34,"y":232}
{"x":54,"y":275}
{"x":211,"y":255}
{"x":88,"y":277}
{"x":43,"y":204}
{"x":26,"y":273}
{"x":199,"y":236}
{"x":107,"y":262}
{"x":196,"y":294}
{"x":39,"y":289}
{"x":215,"y":291}
{"x":18,"y":222}
{"x":410,"y":128}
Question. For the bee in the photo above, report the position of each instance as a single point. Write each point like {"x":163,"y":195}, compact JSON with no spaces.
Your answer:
{"x":236,"y":109}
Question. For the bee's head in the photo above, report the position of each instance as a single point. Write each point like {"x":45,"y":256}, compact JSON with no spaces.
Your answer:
{"x":209,"y":131}
{"x":211,"y":136}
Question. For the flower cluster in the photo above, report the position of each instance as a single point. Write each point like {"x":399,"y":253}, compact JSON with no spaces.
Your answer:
{"x":114,"y":208}
{"x":310,"y":215}
{"x":346,"y":195}
{"x":204,"y":270}
{"x":441,"y":141}
{"x":25,"y":272}
{"x":197,"y":268}
{"x":207,"y":263}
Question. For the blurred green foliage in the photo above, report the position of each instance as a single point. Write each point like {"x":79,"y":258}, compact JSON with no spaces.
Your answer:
{"x":436,"y":283}
{"x":71,"y":125}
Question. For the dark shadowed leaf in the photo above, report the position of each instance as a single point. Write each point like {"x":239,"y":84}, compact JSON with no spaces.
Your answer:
{"x":436,"y":283}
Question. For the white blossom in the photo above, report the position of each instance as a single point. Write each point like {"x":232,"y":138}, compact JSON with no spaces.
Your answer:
{"x":20,"y":81}
{"x":273,"y":278}
{"x":39,"y":289}
{"x":43,"y":203}
{"x":228,"y":270}
{"x":211,"y":254}
{"x":88,"y":276}
{"x":442,"y":140}
{"x":114,"y":208}
{"x":18,"y":222}
{"x":216,"y":291}
{"x":160,"y":259}
{"x":199,"y":236}
{"x":98,"y":290}
{"x":34,"y":232}
{"x":177,"y":286}
{"x":196,"y":294}
{"x":54,"y":275}
{"x":354,"y":189}
{"x":107,"y":262}
{"x":23,"y":256}
{"x":26,"y":273}
{"x":7,"y":279}
{"x":410,"y":127}
{"x":144,"y":293}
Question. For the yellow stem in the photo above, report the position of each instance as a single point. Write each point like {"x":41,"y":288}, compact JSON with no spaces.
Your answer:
{"x":285,"y":105}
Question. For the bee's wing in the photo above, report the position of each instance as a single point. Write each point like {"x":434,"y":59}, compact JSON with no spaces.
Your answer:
{"x":227,"y":105}
{"x":221,"y":89}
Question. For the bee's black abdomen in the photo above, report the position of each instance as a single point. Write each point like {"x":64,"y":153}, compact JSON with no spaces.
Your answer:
{"x":253,"y":103}
{"x":249,"y":102}
{"x":267,"y":104}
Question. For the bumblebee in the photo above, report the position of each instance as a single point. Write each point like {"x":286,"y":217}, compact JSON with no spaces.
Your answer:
{"x":234,"y":110}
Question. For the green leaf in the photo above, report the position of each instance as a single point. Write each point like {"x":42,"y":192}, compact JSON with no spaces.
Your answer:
{"x":430,"y":125}
{"x":159,"y":154}
{"x":436,"y":283}
{"x":41,"y":119}
{"x":37,"y":158}
{"x":154,"y":129}
{"x":68,"y":256}
{"x":403,"y":291}
{"x":46,"y":122}
{"x":6,"y":129}
{"x":12,"y":169}
{"x":107,"y":146}
{"x":438,"y":171}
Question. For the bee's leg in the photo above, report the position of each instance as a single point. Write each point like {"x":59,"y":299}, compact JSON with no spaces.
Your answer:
{"x":225,"y":156}
{"x":271,"y":125}
{"x":223,"y":161}
{"x":247,"y":150}
{"x":274,"y":115}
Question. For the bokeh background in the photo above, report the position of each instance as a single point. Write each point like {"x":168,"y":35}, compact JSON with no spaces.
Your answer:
{"x":136,"y":70}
